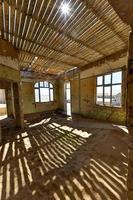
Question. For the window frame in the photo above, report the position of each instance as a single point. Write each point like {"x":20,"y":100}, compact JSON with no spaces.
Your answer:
{"x":50,"y":87}
{"x":111,"y":86}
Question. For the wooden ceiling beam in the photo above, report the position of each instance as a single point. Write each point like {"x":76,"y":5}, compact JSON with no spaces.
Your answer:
{"x":47,"y":58}
{"x":106,"y":59}
{"x":48,"y":47}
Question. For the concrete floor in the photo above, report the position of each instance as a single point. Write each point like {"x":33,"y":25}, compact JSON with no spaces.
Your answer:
{"x":60,"y":158}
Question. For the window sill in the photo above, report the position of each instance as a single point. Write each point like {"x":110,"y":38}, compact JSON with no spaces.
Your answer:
{"x":112,"y":107}
{"x":41,"y":103}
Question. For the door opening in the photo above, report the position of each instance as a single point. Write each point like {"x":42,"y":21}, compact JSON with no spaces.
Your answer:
{"x":68,"y":98}
{"x":3,"y":106}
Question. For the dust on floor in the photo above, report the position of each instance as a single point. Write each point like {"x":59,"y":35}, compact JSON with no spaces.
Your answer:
{"x":59,"y":158}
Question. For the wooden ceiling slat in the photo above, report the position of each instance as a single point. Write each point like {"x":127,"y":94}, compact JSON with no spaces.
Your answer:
{"x":47,"y":58}
{"x":14,"y":22}
{"x":52,"y":10}
{"x":103,"y":18}
{"x":59,"y":21}
{"x":51,"y":48}
{"x":76,"y":10}
{"x":36,"y":21}
{"x":3,"y":20}
{"x":90,"y":32}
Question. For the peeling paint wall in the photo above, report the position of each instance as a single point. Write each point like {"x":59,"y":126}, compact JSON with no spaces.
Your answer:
{"x":61,"y":94}
{"x":84,"y":98}
{"x":75,"y":94}
{"x":89,"y":107}
{"x":7,"y":77}
{"x":9,"y":74}
{"x":29,"y":103}
{"x":8,"y":55}
{"x":7,"y":86}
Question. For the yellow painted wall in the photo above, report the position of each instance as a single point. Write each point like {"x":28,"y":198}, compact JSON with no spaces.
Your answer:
{"x":7,"y":77}
{"x":75,"y":88}
{"x":28,"y":100}
{"x":9,"y":74}
{"x":61,"y":94}
{"x":89,"y":107}
{"x":87,"y":95}
{"x":85,"y":88}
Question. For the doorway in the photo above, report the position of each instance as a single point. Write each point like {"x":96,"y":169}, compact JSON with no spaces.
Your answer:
{"x":68,"y":98}
{"x":3,"y":106}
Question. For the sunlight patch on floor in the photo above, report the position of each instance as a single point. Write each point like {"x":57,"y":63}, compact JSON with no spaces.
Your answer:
{"x":66,"y":128}
{"x":59,"y":161}
{"x":6,"y":147}
{"x":3,"y":117}
{"x":44,"y":121}
{"x":81,"y":133}
{"x":124,"y":128}
{"x":27,"y":143}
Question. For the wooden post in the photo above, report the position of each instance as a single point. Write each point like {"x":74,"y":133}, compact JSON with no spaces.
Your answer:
{"x":130,"y":114}
{"x":18,"y":105}
{"x":9,"y":101}
{"x":79,"y":92}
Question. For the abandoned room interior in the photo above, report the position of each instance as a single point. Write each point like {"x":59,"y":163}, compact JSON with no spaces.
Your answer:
{"x":66,"y":101}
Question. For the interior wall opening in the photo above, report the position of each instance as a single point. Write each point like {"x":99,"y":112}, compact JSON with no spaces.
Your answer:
{"x":3,"y":105}
{"x":68,"y":98}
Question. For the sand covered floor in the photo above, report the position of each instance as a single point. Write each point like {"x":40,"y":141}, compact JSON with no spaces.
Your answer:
{"x":59,"y":158}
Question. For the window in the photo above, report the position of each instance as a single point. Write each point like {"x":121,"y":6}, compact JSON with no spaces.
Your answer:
{"x":43,"y":91}
{"x":109,"y":89}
